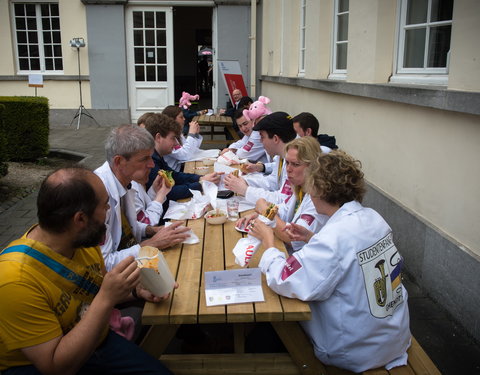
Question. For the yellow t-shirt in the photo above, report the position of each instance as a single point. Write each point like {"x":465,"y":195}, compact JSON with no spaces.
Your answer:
{"x":33,"y":308}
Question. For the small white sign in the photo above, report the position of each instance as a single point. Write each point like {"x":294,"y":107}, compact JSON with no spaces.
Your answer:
{"x":35,"y":80}
{"x":233,"y":286}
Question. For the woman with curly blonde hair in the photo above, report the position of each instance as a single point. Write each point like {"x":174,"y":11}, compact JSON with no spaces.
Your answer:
{"x":350,"y":272}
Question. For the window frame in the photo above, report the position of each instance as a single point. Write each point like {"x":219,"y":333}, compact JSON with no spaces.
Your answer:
{"x":425,"y":75}
{"x":303,"y":37}
{"x":40,"y":43}
{"x":338,"y":73}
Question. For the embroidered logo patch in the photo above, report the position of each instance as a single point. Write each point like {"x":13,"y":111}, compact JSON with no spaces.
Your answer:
{"x":292,"y":265}
{"x":307,"y":218}
{"x":248,"y":146}
{"x":381,"y":265}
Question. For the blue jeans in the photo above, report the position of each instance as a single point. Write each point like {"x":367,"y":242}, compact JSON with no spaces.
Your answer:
{"x":115,"y":355}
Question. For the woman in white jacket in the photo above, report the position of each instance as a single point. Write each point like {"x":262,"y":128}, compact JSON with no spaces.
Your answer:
{"x":350,"y":272}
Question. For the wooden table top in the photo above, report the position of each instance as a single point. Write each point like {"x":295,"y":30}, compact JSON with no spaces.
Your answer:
{"x":213,"y":120}
{"x":189,"y":263}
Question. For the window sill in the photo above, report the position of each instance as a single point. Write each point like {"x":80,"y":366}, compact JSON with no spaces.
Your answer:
{"x":419,"y":79}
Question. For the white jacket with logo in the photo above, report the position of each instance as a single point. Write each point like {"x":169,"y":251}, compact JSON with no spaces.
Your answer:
{"x":350,"y":273}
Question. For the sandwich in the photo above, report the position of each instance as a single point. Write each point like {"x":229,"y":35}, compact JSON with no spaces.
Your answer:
{"x":167,"y":177}
{"x":244,"y":168}
{"x":235,"y":172}
{"x":270,"y":211}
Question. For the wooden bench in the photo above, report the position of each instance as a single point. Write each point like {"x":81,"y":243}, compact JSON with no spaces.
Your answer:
{"x":282,"y":364}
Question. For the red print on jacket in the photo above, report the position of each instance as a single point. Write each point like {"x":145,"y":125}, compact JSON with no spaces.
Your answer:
{"x":248,"y":146}
{"x":292,"y":265}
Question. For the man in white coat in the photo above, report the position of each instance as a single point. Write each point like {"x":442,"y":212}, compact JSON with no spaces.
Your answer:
{"x":350,"y":272}
{"x":250,"y":147}
{"x":129,"y":151}
{"x":276,"y":130}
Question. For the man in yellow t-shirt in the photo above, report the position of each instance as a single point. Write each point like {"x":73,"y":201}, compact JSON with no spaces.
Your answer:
{"x":56,"y":296}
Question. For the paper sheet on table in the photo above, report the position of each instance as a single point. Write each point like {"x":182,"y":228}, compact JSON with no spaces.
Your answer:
{"x":192,"y":237}
{"x":233,"y":286}
{"x":203,"y":154}
{"x":197,"y":206}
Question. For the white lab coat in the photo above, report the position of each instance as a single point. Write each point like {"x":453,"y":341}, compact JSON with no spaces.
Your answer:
{"x":253,"y":149}
{"x":148,"y":211}
{"x":336,"y":271}
{"x":272,"y":188}
{"x":184,"y":152}
{"x":306,"y":216}
{"x":114,"y":219}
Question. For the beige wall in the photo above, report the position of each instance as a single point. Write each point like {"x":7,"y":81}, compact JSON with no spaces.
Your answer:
{"x":465,"y":50}
{"x":371,"y":31}
{"x":424,"y":158}
{"x":6,"y":57}
{"x":318,"y":38}
{"x":61,"y":94}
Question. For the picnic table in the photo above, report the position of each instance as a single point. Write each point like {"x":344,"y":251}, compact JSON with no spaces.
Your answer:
{"x":187,"y":305}
{"x":215,"y":121}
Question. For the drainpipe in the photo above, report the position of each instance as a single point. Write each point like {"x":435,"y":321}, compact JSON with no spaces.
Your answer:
{"x":253,"y":47}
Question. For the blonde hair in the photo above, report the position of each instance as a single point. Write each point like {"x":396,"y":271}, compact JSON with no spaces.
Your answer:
{"x":336,"y":178}
{"x":308,"y":149}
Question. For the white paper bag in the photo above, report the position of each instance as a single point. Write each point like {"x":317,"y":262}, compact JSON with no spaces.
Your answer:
{"x":246,"y":247}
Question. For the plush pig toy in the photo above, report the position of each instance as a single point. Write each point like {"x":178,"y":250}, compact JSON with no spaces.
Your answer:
{"x":184,"y":101}
{"x":257,"y":109}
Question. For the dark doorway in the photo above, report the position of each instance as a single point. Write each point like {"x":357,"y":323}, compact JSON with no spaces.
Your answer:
{"x":192,"y":31}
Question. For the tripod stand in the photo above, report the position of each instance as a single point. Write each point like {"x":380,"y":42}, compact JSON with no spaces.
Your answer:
{"x":81,"y":109}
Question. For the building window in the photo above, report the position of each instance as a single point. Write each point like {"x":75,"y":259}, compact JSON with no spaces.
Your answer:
{"x":424,"y":37}
{"x":150,"y":46}
{"x":303,"y":16}
{"x":340,"y":38}
{"x":37,"y":33}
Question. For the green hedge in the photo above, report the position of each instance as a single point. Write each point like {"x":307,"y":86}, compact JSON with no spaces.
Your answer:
{"x":26,"y":126}
{"x":3,"y":144}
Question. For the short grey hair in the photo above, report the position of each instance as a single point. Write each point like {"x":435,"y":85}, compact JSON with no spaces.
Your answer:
{"x":127,"y":140}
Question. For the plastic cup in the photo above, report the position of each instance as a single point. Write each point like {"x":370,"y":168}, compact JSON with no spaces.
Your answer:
{"x":232,"y":209}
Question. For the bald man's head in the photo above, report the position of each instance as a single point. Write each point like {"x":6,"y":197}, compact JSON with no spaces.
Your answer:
{"x":63,"y":193}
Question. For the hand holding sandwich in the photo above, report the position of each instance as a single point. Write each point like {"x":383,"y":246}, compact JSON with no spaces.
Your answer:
{"x":161,"y":189}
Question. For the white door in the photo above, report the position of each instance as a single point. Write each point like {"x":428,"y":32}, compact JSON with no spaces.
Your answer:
{"x":149,"y":59}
